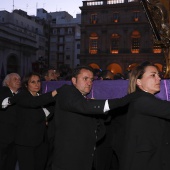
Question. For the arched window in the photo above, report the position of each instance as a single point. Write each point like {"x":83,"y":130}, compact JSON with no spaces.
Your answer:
{"x":114,"y":49}
{"x":93,"y":44}
{"x":94,"y":66}
{"x":115,"y":68}
{"x":135,"y":40}
{"x":159,"y":66}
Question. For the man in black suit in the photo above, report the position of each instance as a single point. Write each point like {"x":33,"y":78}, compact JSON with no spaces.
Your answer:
{"x":76,"y":128}
{"x":50,"y":75}
{"x":11,"y":85}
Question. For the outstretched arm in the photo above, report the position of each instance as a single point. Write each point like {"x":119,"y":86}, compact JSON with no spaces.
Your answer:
{"x":119,"y":102}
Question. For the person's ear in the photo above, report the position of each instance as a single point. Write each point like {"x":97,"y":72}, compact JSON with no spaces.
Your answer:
{"x":138,"y":82}
{"x":73,"y":79}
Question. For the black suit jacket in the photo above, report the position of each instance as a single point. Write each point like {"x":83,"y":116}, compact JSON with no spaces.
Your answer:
{"x":7,"y":118}
{"x":76,"y":127}
{"x":31,"y":119}
{"x":147,"y":144}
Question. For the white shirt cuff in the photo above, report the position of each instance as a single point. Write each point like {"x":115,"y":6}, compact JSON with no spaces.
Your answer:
{"x":106,"y":106}
{"x":5,"y":103}
{"x":46,"y":111}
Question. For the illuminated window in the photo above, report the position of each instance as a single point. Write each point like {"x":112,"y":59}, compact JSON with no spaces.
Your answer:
{"x":136,"y":16}
{"x":93,"y":18}
{"x":93,"y":43}
{"x":115,"y":1}
{"x":115,"y":17}
{"x":114,"y":44}
{"x":157,"y":48}
{"x":135,"y":38}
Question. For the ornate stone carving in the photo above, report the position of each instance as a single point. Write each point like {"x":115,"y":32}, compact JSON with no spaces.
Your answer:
{"x":158,"y":18}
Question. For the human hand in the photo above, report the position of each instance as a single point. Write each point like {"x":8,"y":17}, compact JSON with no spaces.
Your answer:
{"x":54,"y":93}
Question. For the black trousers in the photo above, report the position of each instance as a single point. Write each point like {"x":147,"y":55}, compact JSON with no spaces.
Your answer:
{"x":106,"y":159}
{"x":32,"y":157}
{"x":8,"y":156}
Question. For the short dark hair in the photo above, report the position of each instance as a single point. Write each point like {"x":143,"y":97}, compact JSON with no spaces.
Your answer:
{"x":77,"y":70}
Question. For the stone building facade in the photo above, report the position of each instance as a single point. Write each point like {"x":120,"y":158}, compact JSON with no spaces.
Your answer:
{"x":116,"y":35}
{"x":65,"y":41}
{"x":21,"y":42}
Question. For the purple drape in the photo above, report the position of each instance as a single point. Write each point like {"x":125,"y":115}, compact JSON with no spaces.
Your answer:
{"x":108,"y":89}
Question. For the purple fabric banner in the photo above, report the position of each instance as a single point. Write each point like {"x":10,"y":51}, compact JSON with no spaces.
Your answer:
{"x":108,"y":89}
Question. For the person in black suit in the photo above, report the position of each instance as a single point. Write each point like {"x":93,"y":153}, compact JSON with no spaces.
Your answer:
{"x":50,"y":75}
{"x":109,"y":148}
{"x":31,"y":134}
{"x":11,"y":84}
{"x":147,"y":137}
{"x":76,"y":127}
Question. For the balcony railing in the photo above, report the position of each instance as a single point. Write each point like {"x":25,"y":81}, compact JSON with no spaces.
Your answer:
{"x":108,"y":2}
